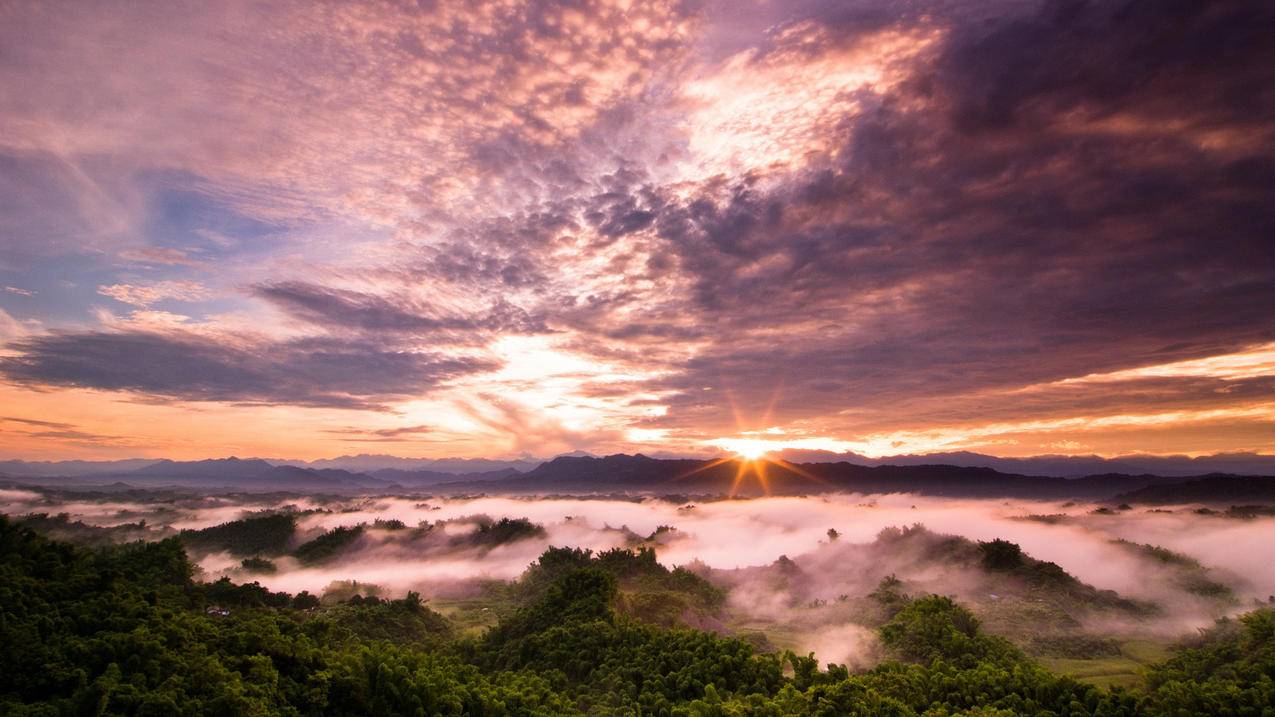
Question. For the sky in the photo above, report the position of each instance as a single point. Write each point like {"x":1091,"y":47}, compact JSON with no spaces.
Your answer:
{"x":308,"y":229}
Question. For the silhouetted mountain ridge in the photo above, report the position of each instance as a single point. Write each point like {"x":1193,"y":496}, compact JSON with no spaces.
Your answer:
{"x":644,"y":474}
{"x":1216,"y":488}
{"x":1066,"y":466}
{"x":640,"y":473}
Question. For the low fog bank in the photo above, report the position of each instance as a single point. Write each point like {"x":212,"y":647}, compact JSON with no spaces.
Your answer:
{"x":722,"y":534}
{"x":805,"y":572}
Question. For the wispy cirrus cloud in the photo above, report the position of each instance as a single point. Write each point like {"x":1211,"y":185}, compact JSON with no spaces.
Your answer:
{"x":401,"y":434}
{"x":64,"y":433}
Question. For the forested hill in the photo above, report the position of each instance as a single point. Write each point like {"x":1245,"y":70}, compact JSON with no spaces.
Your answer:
{"x":1209,"y":489}
{"x":127,"y":631}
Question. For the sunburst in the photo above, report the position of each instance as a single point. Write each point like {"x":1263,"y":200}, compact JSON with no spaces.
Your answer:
{"x":753,"y":452}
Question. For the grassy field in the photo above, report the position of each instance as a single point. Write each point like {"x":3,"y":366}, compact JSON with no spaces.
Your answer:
{"x":471,"y":616}
{"x":1124,"y":669}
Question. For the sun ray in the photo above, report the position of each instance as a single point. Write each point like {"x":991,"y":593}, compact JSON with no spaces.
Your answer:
{"x":770,"y":406}
{"x":734,"y":409}
{"x":701,"y":469}
{"x":739,"y":478}
{"x":759,"y":467}
{"x":798,"y":470}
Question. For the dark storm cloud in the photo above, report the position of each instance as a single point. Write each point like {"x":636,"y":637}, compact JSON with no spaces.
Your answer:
{"x":1079,"y":188}
{"x":306,"y":372}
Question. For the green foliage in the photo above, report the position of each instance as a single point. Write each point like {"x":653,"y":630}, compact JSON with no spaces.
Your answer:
{"x":62,"y":527}
{"x":501,"y":532}
{"x":261,"y":535}
{"x":406,"y":621}
{"x":935,"y":628}
{"x":1074,"y":646}
{"x":1051,"y":582}
{"x":889,"y":595}
{"x":1229,"y":670}
{"x":326,"y":546}
{"x":223,"y":593}
{"x":259,"y":565}
{"x":551,"y":564}
{"x":1187,"y":572}
{"x":581,"y":595}
{"x":1002,"y":555}
{"x":648,"y":590}
{"x":125,"y":630}
{"x":612,"y":664}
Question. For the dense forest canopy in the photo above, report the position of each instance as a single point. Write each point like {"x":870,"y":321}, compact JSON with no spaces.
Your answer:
{"x":127,"y":629}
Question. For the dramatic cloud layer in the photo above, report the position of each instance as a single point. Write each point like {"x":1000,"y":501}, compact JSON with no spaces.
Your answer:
{"x":1021,"y":228}
{"x":312,"y":372}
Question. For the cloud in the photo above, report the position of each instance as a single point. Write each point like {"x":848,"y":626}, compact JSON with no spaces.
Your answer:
{"x":191,"y":367}
{"x":1013,"y":211}
{"x":35,"y":422}
{"x":10,"y":328}
{"x":351,"y":309}
{"x":145,"y":295}
{"x":165,"y":256}
{"x":64,"y":432}
{"x":383,"y":435}
{"x":432,"y":108}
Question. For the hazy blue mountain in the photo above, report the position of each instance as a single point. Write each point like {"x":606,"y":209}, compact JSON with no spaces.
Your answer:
{"x":1066,"y":466}
{"x":428,"y":478}
{"x":253,"y":474}
{"x":368,"y":463}
{"x":72,"y":468}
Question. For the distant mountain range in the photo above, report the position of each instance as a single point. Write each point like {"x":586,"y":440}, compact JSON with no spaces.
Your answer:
{"x":252,"y":473}
{"x":1062,"y":466}
{"x":639,"y":473}
{"x":380,"y":465}
{"x":73,"y":468}
{"x":237,"y":474}
{"x":369,"y":463}
{"x":644,"y":474}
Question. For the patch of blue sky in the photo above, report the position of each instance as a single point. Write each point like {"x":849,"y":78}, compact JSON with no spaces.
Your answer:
{"x":56,"y":290}
{"x":204,"y":226}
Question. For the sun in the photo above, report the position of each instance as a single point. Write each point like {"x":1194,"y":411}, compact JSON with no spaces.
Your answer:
{"x":747,"y":448}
